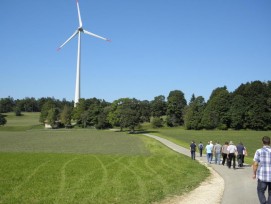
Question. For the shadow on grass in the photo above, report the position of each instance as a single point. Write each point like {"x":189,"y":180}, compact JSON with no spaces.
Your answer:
{"x":135,"y":131}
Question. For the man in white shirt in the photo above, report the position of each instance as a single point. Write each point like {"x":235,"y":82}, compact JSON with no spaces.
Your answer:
{"x":209,"y":152}
{"x":231,"y":154}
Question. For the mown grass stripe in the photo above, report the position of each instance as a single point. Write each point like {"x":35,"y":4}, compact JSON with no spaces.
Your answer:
{"x":62,"y":182}
{"x":17,"y":189}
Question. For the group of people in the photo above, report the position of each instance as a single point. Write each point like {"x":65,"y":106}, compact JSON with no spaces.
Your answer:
{"x":261,"y":161}
{"x":228,"y":151}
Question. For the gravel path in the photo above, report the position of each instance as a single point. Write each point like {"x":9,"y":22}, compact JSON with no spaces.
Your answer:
{"x":226,"y":186}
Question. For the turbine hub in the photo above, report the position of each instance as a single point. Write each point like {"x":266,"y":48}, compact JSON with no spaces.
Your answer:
{"x":80,"y":29}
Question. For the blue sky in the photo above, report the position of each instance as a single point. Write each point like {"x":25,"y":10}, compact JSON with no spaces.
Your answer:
{"x":157,"y":46}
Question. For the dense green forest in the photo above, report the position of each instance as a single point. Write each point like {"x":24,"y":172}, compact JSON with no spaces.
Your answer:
{"x":248,"y":107}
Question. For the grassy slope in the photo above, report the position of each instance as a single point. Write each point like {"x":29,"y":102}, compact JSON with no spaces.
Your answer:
{"x":20,"y":123}
{"x":89,"y":166}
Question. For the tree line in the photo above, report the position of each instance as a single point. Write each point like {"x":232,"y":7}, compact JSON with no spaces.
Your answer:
{"x":248,"y":107}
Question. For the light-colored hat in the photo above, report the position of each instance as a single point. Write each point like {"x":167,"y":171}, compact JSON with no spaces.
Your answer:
{"x":231,"y":143}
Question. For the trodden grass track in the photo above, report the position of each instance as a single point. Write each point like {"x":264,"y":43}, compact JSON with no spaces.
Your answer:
{"x":89,"y":166}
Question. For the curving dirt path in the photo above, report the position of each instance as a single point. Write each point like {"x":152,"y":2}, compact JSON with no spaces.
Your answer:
{"x":226,"y":186}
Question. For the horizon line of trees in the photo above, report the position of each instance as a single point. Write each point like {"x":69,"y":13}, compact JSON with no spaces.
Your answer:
{"x":248,"y":107}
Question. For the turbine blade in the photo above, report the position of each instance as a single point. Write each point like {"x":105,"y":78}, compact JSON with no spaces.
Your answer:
{"x":96,"y":36}
{"x":72,"y":36}
{"x":79,"y":15}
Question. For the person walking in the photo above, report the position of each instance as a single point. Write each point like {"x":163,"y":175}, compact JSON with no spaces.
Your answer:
{"x":212,"y":146}
{"x":245,"y":153}
{"x":262,"y":170}
{"x":231,"y":154}
{"x":209,"y":149}
{"x":217,"y":152}
{"x":240,"y":154}
{"x":225,"y":153}
{"x":200,"y":148}
{"x":193,"y":147}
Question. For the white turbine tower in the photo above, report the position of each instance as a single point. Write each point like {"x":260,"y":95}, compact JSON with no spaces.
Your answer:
{"x":78,"y":32}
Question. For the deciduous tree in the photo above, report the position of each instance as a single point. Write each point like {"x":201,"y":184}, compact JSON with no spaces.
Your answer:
{"x":215,"y":115}
{"x":175,"y":107}
{"x":124,"y":113}
{"x":194,"y":112}
{"x":66,"y":116}
{"x":158,"y":106}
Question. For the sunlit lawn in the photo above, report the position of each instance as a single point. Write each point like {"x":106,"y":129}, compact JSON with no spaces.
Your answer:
{"x":90,"y":166}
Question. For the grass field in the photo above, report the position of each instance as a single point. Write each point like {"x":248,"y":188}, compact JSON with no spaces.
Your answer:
{"x":89,"y":166}
{"x":27,"y":121}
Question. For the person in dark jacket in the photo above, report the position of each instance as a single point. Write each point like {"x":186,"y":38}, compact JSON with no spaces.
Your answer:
{"x":240,"y":154}
{"x":201,"y":146}
{"x":193,"y":147}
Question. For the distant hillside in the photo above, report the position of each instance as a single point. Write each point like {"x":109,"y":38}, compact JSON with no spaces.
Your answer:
{"x":25,"y":122}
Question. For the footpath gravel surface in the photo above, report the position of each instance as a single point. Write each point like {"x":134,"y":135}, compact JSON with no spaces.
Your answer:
{"x":226,"y":186}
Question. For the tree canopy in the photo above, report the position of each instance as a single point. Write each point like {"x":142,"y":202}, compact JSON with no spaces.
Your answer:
{"x":247,"y":107}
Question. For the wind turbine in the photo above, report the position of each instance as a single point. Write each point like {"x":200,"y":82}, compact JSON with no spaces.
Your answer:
{"x":78,"y":32}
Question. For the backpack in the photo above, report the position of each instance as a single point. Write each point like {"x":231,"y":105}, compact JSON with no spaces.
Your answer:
{"x":201,"y":146}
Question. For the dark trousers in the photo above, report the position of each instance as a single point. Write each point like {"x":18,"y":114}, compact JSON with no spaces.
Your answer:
{"x":261,"y":188}
{"x":232,"y":159}
{"x":240,"y":159}
{"x":193,"y":154}
{"x":224,"y":158}
{"x":200,"y":152}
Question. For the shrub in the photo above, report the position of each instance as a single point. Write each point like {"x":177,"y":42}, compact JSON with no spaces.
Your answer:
{"x":157,"y":122}
{"x":3,"y":120}
{"x":17,"y":111}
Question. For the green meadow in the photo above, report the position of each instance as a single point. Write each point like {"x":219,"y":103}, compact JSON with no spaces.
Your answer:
{"x":27,"y":121}
{"x":88,"y":166}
